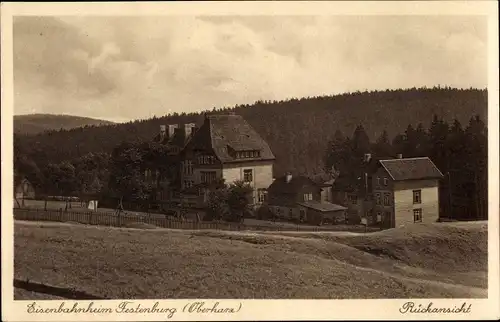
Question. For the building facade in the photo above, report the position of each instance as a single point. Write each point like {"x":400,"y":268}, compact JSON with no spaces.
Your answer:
{"x":24,"y":190}
{"x":225,"y":149}
{"x":299,"y":199}
{"x":406,"y":191}
{"x":391,"y":192}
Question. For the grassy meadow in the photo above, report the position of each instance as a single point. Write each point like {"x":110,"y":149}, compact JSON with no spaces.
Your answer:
{"x":445,"y":260}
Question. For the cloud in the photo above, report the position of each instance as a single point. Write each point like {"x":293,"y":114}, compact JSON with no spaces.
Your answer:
{"x":133,"y":67}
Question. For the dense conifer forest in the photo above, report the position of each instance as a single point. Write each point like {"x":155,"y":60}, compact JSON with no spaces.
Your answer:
{"x":307,"y":136}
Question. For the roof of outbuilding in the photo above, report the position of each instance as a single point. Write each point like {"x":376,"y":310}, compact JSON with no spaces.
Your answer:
{"x":322,"y":206}
{"x":295,"y":185}
{"x":411,"y":169}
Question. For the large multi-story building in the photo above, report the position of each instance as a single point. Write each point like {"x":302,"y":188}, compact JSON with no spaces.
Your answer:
{"x":226,"y":148}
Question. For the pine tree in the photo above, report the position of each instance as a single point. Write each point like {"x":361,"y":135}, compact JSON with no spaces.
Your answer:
{"x":360,"y":142}
{"x":383,"y":147}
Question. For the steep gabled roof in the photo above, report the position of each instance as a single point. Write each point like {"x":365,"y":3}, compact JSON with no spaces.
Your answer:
{"x":411,"y":169}
{"x":295,"y":185}
{"x":224,"y":132}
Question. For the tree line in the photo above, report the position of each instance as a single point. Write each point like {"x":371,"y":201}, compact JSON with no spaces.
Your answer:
{"x":459,"y":153}
{"x":297,"y":130}
{"x":100,"y":160}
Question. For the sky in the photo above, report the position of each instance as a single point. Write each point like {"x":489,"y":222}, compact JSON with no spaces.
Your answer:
{"x":126,"y":68}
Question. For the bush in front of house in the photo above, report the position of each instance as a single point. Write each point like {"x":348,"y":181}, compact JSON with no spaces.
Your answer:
{"x":229,"y":203}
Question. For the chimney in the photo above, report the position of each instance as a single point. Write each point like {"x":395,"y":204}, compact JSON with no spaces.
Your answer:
{"x":163,"y":132}
{"x":399,"y":156}
{"x":188,"y":129}
{"x":368,"y":157}
{"x":171,"y":130}
{"x":288,"y":177}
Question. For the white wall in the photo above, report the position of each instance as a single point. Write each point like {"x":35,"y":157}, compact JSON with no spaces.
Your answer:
{"x":403,"y":201}
{"x":262,"y":174}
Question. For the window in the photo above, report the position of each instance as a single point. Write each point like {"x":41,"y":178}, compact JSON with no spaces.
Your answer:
{"x":247,"y":154}
{"x":188,"y":183}
{"x":378,"y":181}
{"x":387,"y":200}
{"x":417,"y":196}
{"x":308,"y":196}
{"x":261,"y":195}
{"x":386,"y":181}
{"x":248,"y":175}
{"x":378,"y":199}
{"x":208,"y":176}
{"x":147,"y":175}
{"x":417,"y":215}
{"x":379,"y":217}
{"x":206,"y":159}
{"x":353,"y":199}
{"x":188,"y":167}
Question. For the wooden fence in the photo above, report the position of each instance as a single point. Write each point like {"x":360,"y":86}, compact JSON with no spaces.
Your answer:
{"x":127,"y":220}
{"x":131,"y":220}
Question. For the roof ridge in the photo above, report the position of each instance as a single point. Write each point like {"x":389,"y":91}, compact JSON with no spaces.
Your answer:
{"x":387,"y":170}
{"x":210,"y":134}
{"x":435,"y":166}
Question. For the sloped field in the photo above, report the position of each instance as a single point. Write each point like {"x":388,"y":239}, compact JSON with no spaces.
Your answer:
{"x":421,"y":261}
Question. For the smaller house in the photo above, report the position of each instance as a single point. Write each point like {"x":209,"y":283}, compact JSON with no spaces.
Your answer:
{"x":24,"y":190}
{"x":298,"y":198}
{"x":406,"y":191}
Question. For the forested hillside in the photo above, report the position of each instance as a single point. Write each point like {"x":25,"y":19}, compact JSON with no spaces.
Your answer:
{"x":298,"y":130}
{"x":38,"y":123}
{"x":308,"y":136}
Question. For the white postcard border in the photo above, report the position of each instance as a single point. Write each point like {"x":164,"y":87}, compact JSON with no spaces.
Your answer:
{"x":375,"y":309}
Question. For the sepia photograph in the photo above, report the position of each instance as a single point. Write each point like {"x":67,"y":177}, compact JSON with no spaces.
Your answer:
{"x":256,"y":156}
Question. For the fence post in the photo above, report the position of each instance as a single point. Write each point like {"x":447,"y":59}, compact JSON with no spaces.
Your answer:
{"x":60,"y":214}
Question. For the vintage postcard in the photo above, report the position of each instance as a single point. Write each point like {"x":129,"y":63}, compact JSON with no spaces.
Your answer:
{"x":212,"y":161}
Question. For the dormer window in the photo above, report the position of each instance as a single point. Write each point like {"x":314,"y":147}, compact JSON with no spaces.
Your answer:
{"x":247,"y":154}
